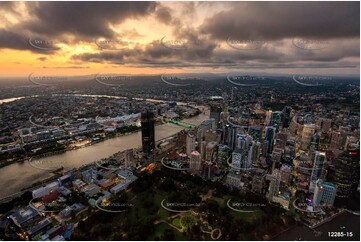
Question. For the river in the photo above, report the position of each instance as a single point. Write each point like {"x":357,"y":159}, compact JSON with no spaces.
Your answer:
{"x":17,"y":176}
{"x":345,"y":222}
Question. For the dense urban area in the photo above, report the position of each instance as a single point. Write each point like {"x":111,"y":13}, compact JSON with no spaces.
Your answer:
{"x":264,"y":160}
{"x":179,"y":121}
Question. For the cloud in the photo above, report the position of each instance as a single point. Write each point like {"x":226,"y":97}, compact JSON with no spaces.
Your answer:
{"x":279,"y":20}
{"x":83,"y":19}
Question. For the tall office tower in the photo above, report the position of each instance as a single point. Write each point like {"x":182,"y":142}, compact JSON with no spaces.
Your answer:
{"x":225,"y":134}
{"x":195,"y":163}
{"x":128,"y":157}
{"x":224,"y":115}
{"x":315,"y":140}
{"x":293,"y":126}
{"x":190,"y":143}
{"x":211,"y":151}
{"x":241,"y":142}
{"x":215,"y":113}
{"x":281,"y":140}
{"x":277,"y":154}
{"x":270,"y":135}
{"x":350,"y":141}
{"x":307,"y":133}
{"x":268,"y":117}
{"x":347,"y":173}
{"x":203,"y":149}
{"x":212,"y":135}
{"x":232,"y":137}
{"x":286,"y":112}
{"x":148,"y":138}
{"x":318,"y":166}
{"x":223,"y":154}
{"x":199,"y":137}
{"x":255,"y":152}
{"x":264,"y":148}
{"x":274,"y":186}
{"x":247,"y":160}
{"x":337,"y":139}
{"x":276,"y":118}
{"x":324,"y":123}
{"x":325,"y":193}
{"x":203,"y":127}
{"x":237,"y":157}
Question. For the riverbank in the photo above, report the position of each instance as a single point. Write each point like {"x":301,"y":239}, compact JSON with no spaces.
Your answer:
{"x":68,"y":148}
{"x":20,"y":175}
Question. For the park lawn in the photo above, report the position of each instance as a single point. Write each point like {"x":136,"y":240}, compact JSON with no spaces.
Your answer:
{"x":221,"y":201}
{"x":176,"y":222}
{"x":160,"y":229}
{"x":164,"y":214}
{"x":249,"y":217}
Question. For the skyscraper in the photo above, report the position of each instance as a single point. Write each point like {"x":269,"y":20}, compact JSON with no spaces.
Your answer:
{"x":325,"y":193}
{"x":347,"y":173}
{"x":237,"y":156}
{"x":318,"y":166}
{"x":270,"y":135}
{"x":148,"y":139}
{"x":276,"y":118}
{"x":190,"y":143}
{"x":195,"y":162}
{"x":286,"y":116}
{"x":215,"y":113}
{"x":307,"y":133}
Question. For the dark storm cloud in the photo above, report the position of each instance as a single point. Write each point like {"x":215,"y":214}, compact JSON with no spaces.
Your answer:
{"x":163,"y":14}
{"x":13,"y":40}
{"x":83,"y":19}
{"x":279,"y":20}
{"x":19,"y":41}
{"x":208,"y":54}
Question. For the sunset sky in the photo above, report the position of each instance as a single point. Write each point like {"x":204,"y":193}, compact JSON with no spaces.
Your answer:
{"x":78,"y":38}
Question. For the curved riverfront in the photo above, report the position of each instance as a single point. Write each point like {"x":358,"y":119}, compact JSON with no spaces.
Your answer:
{"x":17,"y":176}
